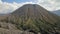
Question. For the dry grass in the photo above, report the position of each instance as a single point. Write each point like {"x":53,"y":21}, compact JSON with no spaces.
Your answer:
{"x":6,"y":31}
{"x":8,"y":26}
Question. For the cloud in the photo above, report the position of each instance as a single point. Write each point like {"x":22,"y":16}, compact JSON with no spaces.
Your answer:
{"x":9,"y":7}
{"x":6,"y":7}
{"x":50,"y":5}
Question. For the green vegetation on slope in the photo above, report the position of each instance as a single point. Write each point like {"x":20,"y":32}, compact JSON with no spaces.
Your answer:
{"x":33,"y":25}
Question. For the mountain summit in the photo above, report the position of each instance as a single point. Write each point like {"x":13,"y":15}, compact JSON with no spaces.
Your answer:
{"x":36,"y":19}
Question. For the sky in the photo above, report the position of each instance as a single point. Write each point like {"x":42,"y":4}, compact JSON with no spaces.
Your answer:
{"x":7,"y":6}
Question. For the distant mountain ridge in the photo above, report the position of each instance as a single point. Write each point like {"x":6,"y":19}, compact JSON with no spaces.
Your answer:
{"x":57,"y":12}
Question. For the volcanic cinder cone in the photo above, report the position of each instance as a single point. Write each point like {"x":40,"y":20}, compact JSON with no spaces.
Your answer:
{"x":34,"y":18}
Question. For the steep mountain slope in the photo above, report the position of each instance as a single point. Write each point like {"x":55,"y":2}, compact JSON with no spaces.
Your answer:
{"x":34,"y":18}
